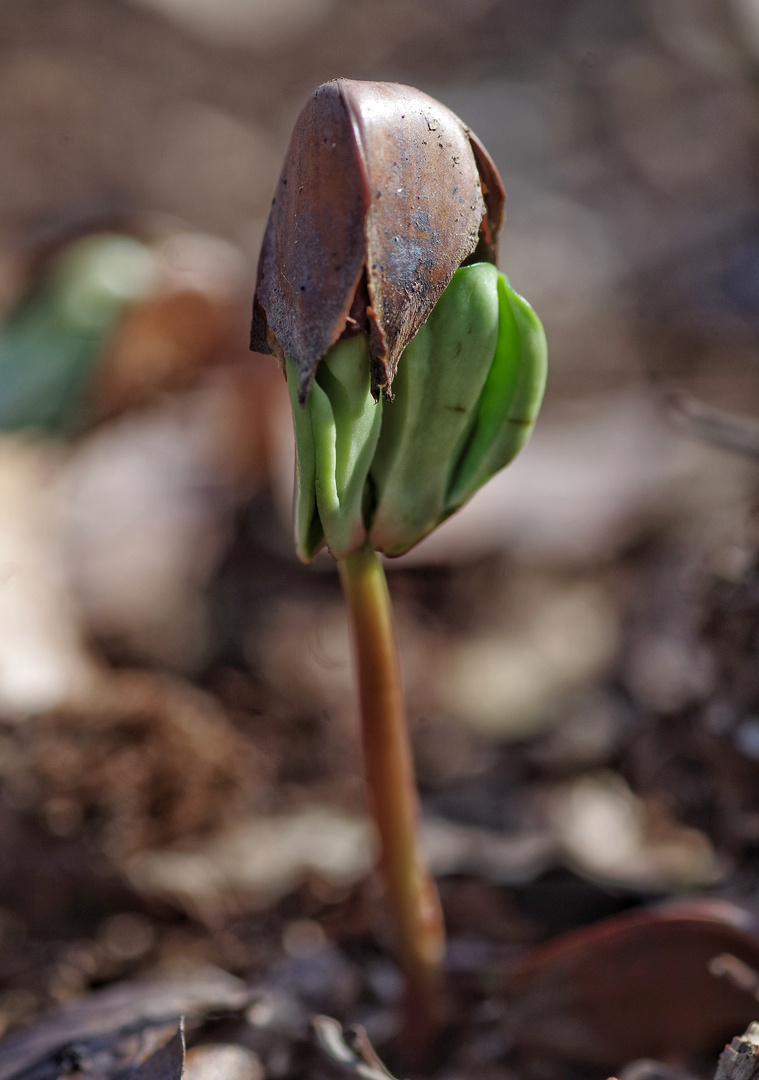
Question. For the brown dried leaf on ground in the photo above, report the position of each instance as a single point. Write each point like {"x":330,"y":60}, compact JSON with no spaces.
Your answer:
{"x":635,"y":985}
{"x":123,"y":1024}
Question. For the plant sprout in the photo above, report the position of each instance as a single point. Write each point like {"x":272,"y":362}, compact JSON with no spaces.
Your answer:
{"x":415,"y":373}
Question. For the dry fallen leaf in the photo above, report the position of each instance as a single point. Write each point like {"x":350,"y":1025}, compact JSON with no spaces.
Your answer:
{"x":636,"y":985}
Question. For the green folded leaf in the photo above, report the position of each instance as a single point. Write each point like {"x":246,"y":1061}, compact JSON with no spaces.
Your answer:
{"x":336,"y":437}
{"x":309,"y":534}
{"x":510,"y":400}
{"x":467,"y":393}
{"x":439,"y":382}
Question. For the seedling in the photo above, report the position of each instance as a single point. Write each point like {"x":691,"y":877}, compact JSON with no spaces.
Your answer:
{"x":415,"y":373}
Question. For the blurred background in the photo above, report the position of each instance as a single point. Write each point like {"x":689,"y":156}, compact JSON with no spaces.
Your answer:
{"x":180,"y":778}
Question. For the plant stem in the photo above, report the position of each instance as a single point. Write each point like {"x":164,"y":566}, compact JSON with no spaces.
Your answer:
{"x":411,"y":891}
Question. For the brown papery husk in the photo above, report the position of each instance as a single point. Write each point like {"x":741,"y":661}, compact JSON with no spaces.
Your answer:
{"x":384,"y":194}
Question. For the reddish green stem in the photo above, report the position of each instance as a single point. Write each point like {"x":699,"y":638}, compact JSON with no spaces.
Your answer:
{"x":411,"y":892}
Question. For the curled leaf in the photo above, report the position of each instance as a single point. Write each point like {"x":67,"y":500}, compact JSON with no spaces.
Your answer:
{"x":424,"y":430}
{"x":468,"y":391}
{"x":335,"y":436}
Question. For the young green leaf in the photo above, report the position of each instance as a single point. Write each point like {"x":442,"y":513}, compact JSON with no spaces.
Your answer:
{"x":510,"y":400}
{"x":467,"y":392}
{"x":336,"y":437}
{"x":438,"y":385}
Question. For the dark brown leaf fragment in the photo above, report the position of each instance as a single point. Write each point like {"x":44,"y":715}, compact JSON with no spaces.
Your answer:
{"x":495,"y":201}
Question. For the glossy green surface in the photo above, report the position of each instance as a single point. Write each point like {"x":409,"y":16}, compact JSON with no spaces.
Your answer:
{"x":335,"y":436}
{"x":437,"y":388}
{"x":467,"y":393}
